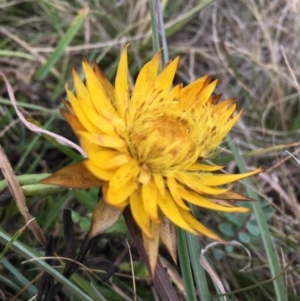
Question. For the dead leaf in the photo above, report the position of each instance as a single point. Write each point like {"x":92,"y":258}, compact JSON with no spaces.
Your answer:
{"x":104,"y":216}
{"x":19,"y":197}
{"x":168,"y":236}
{"x":73,"y":176}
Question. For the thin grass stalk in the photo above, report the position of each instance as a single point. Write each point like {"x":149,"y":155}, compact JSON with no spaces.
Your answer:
{"x":188,"y":245}
{"x":161,"y":32}
{"x":155,"y":36}
{"x":262,"y":224}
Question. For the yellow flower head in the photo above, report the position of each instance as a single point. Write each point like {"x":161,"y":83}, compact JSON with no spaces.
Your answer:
{"x":147,"y":148}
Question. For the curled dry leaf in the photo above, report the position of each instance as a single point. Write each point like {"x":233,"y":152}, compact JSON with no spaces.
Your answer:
{"x":204,"y":262}
{"x":34,"y":127}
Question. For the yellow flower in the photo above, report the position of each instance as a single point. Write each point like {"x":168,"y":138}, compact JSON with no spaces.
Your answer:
{"x":147,"y":149}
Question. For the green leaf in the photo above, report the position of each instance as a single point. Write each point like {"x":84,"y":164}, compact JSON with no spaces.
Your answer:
{"x":252,"y":228}
{"x":64,"y":42}
{"x":263,"y":227}
{"x":185,"y":266}
{"x":227,"y":229}
{"x":244,"y":237}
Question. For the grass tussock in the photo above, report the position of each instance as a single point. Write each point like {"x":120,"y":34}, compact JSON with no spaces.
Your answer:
{"x":252,"y":47}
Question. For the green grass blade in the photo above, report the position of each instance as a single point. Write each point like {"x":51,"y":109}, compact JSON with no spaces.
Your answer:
{"x":30,"y":106}
{"x":155,"y":37}
{"x":175,"y":25}
{"x":64,"y":42}
{"x":31,"y":145}
{"x":8,"y":245}
{"x":17,"y":54}
{"x":27,"y":253}
{"x":194,"y":249}
{"x":19,"y":276}
{"x":185,"y":266}
{"x":262,"y":224}
{"x":161,"y":32}
{"x":11,"y":284}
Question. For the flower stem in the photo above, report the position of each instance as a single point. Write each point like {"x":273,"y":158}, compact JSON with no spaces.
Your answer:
{"x":188,"y":245}
{"x":161,"y":281}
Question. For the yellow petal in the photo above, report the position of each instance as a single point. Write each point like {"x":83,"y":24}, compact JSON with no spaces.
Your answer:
{"x":230,"y":123}
{"x":82,"y":92}
{"x":68,"y":107}
{"x":104,"y":140}
{"x":172,"y":185}
{"x":204,"y":167}
{"x":176,"y":92}
{"x":88,"y":116}
{"x":151,"y":245}
{"x":160,"y":184}
{"x":118,"y":124}
{"x":145,"y":80}
{"x":108,"y":159}
{"x":149,"y":197}
{"x":124,"y":174}
{"x":83,"y":119}
{"x":98,"y":171}
{"x":120,"y":197}
{"x":88,"y":146}
{"x":196,"y":225}
{"x":207,"y":92}
{"x":165,"y":78}
{"x":168,"y":236}
{"x":139,"y":214}
{"x":144,"y":177}
{"x":97,"y":93}
{"x":107,"y":86}
{"x":190,"y":92}
{"x":221,"y":179}
{"x":201,"y":201}
{"x":73,"y":121}
{"x":121,"y":85}
{"x":171,"y":211}
{"x":222,"y":106}
{"x":104,"y":216}
{"x":117,"y":161}
{"x":148,"y":73}
{"x":226,"y":117}
{"x":194,"y":182}
{"x":100,"y":123}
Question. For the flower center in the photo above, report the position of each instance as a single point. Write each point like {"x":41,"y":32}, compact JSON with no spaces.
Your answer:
{"x":161,"y":143}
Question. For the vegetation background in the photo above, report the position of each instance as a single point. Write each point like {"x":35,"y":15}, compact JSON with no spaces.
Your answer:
{"x":252,"y":47}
